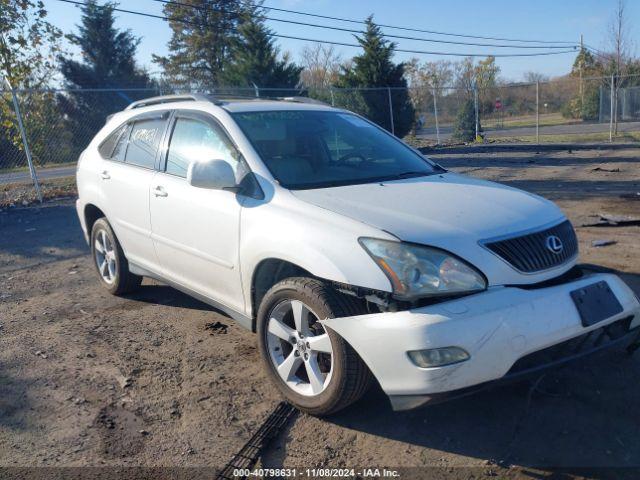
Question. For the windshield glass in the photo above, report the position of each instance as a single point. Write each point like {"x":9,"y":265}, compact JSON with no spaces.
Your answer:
{"x":316,"y":149}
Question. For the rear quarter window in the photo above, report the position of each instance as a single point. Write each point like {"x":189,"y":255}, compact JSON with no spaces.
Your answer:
{"x":114,"y":146}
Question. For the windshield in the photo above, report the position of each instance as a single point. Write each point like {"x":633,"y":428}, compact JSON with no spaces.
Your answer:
{"x":317,"y":149}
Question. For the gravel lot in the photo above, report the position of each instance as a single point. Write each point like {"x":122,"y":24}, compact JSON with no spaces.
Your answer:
{"x":87,"y":379}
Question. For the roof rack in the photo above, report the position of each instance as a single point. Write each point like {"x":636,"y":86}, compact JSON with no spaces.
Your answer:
{"x":215,"y":99}
{"x":193,"y":97}
{"x":302,"y":100}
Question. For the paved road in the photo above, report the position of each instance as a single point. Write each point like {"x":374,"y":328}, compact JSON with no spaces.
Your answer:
{"x":43,"y":174}
{"x":570,"y":129}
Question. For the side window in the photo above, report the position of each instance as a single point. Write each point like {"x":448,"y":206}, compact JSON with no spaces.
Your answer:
{"x":115,"y":144}
{"x":196,"y":140}
{"x":121,"y":145}
{"x":143,"y":142}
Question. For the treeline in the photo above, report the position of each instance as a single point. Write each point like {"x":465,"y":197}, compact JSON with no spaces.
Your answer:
{"x":215,"y":44}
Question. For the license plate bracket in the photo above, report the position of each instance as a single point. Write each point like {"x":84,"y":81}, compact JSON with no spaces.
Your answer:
{"x":595,"y":302}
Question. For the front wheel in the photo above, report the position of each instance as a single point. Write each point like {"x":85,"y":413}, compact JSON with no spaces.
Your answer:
{"x":313,"y":367}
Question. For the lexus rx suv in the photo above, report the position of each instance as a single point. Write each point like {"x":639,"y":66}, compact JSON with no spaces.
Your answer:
{"x":351,"y":255}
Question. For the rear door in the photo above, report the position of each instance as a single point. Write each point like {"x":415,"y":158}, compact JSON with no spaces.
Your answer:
{"x":195,"y":230}
{"x":125,"y":178}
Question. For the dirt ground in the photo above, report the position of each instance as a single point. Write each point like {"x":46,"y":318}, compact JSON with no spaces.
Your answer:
{"x":88,"y":379}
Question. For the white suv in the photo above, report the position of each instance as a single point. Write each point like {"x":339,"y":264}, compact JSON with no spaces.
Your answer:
{"x":349,"y":253}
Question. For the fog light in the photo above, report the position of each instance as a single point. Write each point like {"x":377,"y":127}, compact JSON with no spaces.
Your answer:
{"x":438,"y":357}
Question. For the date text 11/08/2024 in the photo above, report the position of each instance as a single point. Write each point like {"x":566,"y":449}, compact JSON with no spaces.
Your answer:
{"x":316,"y":472}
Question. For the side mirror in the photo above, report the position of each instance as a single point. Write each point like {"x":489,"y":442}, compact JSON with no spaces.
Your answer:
{"x":212,"y":174}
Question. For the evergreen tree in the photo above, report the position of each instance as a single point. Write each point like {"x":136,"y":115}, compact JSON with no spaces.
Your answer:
{"x":107,"y":62}
{"x":586,"y":62}
{"x":375,"y":68}
{"x":257,"y":60}
{"x":464,"y":126}
{"x":204,"y":35}
{"x":585,"y":104}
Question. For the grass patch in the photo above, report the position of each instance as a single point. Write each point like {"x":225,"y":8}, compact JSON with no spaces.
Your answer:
{"x":23,"y":194}
{"x":546,"y":120}
{"x":574,"y":138}
{"x":25,"y":168}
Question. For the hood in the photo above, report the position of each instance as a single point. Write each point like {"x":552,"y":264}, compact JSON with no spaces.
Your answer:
{"x":448,"y":211}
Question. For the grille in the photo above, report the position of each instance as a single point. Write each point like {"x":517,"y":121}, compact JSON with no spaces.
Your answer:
{"x":529,"y":253}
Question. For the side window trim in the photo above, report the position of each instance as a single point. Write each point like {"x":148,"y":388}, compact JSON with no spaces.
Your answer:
{"x":163,"y":148}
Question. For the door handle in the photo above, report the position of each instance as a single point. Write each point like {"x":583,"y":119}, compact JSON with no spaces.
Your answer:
{"x":105,"y":175}
{"x":160,"y":192}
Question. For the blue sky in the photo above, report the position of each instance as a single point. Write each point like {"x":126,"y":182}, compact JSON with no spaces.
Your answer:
{"x":525,"y":19}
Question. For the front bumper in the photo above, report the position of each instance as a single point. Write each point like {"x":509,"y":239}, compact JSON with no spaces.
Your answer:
{"x":497,"y":328}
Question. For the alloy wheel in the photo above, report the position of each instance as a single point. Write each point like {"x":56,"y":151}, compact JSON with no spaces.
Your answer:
{"x":299,"y":348}
{"x":105,"y":257}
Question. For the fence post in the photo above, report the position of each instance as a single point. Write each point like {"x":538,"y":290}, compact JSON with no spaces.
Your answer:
{"x":537,"y":112}
{"x":475,"y":105}
{"x":393,"y":130}
{"x":333,"y":100}
{"x":611,"y":112}
{"x":435,"y":114}
{"x":600,"y":103}
{"x":25,"y":143}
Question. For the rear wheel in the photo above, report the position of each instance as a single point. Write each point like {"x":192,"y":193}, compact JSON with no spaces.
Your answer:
{"x":314,"y":368}
{"x":109,"y":259}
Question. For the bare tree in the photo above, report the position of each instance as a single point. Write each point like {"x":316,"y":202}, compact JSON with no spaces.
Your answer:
{"x":620,"y":44}
{"x":321,"y":66}
{"x":534,"y":77}
{"x":425,"y":79}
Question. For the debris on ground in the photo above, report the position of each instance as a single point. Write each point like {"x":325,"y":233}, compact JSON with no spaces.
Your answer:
{"x":123,"y":381}
{"x":41,"y":354}
{"x":216,"y":328}
{"x":188,"y":451}
{"x":608,"y":170}
{"x":603,"y":243}
{"x":614,"y":221}
{"x":248,"y":455}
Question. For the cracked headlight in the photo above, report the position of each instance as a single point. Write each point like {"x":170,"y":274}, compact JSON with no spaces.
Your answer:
{"x":416,"y":271}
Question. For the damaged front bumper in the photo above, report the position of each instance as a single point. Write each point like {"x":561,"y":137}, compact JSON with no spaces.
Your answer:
{"x":507,"y":331}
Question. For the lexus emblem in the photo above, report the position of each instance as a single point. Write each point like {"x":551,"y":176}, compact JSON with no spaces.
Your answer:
{"x":554,"y":244}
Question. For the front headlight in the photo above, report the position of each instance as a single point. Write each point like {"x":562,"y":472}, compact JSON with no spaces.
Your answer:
{"x":416,"y":271}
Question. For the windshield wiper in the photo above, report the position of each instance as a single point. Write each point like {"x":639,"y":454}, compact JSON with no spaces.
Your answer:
{"x":410,"y":174}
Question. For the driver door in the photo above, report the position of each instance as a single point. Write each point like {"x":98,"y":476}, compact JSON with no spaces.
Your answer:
{"x":195,"y":231}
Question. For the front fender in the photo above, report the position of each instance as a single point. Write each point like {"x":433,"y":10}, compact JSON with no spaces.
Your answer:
{"x":321,"y":242}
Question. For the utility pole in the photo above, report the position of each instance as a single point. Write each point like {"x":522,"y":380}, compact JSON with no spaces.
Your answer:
{"x":537,"y":111}
{"x":475,"y":105}
{"x":435,"y":114}
{"x":580,"y":65}
{"x":612,"y":114}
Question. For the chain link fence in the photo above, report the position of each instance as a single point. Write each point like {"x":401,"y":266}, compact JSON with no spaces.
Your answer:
{"x":44,"y":130}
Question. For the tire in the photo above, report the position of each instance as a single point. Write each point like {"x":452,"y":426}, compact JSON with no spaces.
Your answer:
{"x":344,"y":376}
{"x":114,"y":273}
